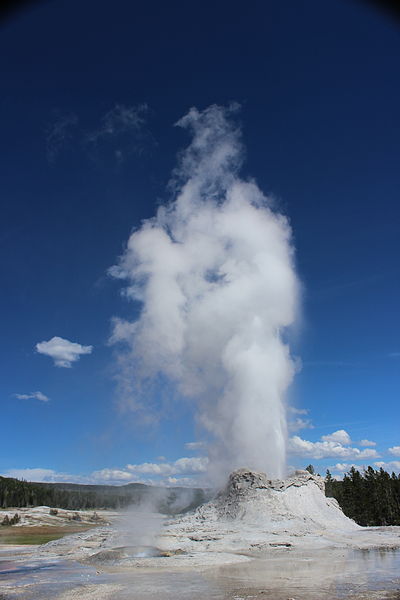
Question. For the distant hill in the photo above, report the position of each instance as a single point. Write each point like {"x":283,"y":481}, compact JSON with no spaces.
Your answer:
{"x":74,"y":496}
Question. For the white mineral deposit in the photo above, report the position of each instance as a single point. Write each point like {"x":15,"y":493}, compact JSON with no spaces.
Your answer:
{"x":257,"y":537}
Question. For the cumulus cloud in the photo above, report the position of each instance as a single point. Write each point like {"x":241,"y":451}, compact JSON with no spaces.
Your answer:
{"x":387,"y":466}
{"x":62,"y":351}
{"x":393,"y":465}
{"x":395,"y":450}
{"x":112,"y":476}
{"x":182,"y":481}
{"x":328,"y":449}
{"x":341,"y":436}
{"x":367,"y":443}
{"x":183,"y":471}
{"x":174,"y":473}
{"x":122,"y":477}
{"x":180,"y":466}
{"x":345,"y":467}
{"x":45,"y":475}
{"x":214,"y":272}
{"x":34,"y":396}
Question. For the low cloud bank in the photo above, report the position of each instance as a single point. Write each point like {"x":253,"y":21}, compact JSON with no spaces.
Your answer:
{"x":336,"y":444}
{"x":186,"y":472}
{"x":393,"y":465}
{"x":395,"y":450}
{"x":367,"y":443}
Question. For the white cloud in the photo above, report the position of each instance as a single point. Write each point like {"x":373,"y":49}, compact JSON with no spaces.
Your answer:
{"x":163,"y":473}
{"x":123,"y":331}
{"x":119,"y":477}
{"x":344,"y":467}
{"x":366,"y":443}
{"x":33,"y":395}
{"x":341,"y":437}
{"x":112,"y":476}
{"x":395,"y":450}
{"x":299,"y":424}
{"x":298,"y":411}
{"x":62,"y":351}
{"x":183,"y":471}
{"x":179,"y":467}
{"x":45,"y":475}
{"x":327,"y":449}
{"x":393,"y":465}
{"x":182,"y":481}
{"x":195,"y":445}
{"x":191,"y":465}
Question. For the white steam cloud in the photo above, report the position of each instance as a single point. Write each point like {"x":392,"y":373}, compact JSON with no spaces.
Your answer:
{"x":215,"y":275}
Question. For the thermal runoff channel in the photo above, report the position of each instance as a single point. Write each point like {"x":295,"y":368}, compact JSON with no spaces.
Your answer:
{"x":214,"y":274}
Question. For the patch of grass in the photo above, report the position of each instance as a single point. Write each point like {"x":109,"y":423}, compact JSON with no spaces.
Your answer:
{"x":37,"y":535}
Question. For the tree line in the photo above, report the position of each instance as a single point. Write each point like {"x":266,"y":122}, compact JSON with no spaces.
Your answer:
{"x":17,"y":493}
{"x":370,"y":498}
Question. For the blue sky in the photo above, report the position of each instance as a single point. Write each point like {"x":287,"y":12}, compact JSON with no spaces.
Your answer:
{"x":88,"y":144}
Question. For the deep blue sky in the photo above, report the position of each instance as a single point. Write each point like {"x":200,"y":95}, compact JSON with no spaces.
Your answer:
{"x":319,"y":86}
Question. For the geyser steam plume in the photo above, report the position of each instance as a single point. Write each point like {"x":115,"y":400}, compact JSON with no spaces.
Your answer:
{"x":214,"y":274}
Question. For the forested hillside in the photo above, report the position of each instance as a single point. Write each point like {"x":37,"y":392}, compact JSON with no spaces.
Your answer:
{"x":370,"y":498}
{"x":72,"y":496}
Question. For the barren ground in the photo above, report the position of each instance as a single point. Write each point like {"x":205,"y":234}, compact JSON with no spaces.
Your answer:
{"x":258,"y":539}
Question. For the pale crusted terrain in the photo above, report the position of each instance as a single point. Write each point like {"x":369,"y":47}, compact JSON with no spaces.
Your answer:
{"x":254,"y":514}
{"x":252,"y":517}
{"x":39,"y":516}
{"x":257,"y":539}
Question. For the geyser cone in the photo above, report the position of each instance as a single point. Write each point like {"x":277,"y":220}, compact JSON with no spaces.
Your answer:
{"x":254,"y":510}
{"x":297,"y":503}
{"x":214,"y":273}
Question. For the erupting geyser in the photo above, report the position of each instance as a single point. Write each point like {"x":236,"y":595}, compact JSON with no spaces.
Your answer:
{"x":215,"y":274}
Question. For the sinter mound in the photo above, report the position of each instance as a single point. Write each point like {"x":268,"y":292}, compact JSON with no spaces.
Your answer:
{"x":254,"y":512}
{"x":298,"y":502}
{"x":253,"y":516}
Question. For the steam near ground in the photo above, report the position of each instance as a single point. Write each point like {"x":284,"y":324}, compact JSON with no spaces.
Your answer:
{"x":140,"y":524}
{"x":214,"y":274}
